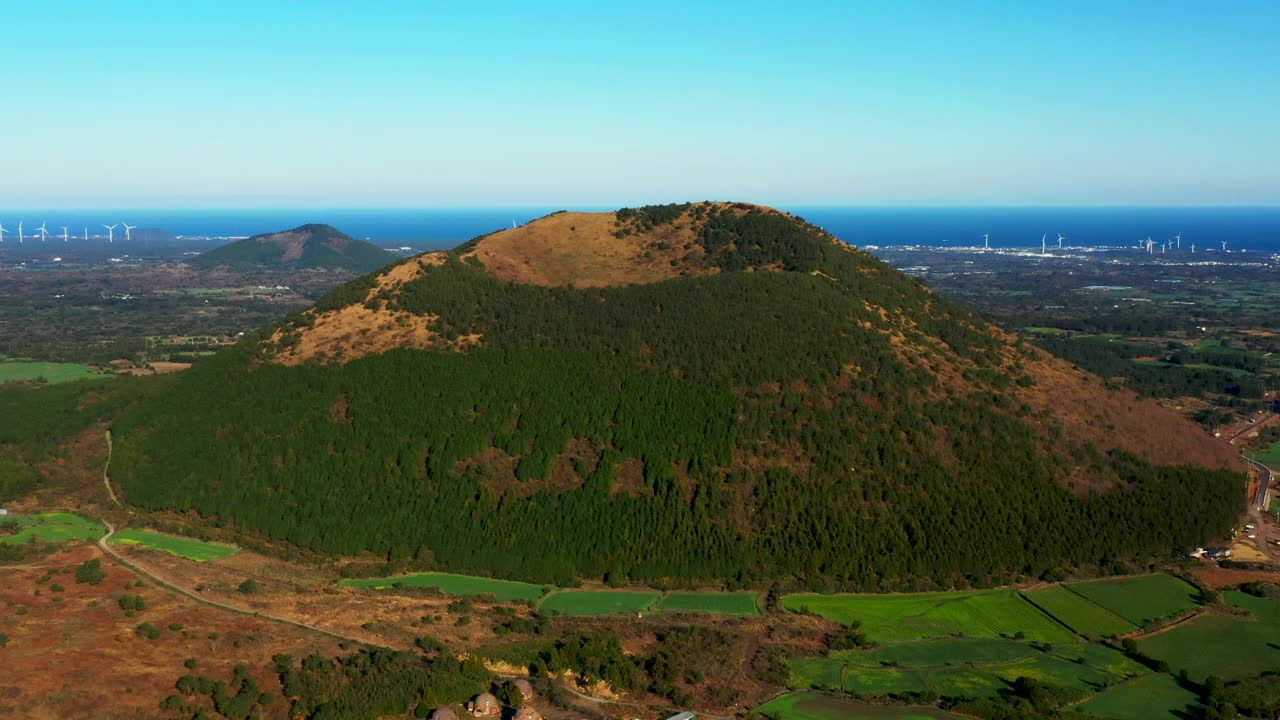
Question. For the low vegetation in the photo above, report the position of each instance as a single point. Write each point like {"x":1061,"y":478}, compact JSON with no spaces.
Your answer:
{"x":188,"y":548}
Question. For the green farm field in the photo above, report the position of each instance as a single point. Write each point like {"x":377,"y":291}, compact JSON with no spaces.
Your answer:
{"x":966,"y":681}
{"x":1153,"y":697}
{"x":52,"y":528}
{"x":1141,"y":600}
{"x":1083,"y":616}
{"x":812,"y":706}
{"x":942,"y":651}
{"x":12,"y":370}
{"x":599,"y":602}
{"x":1054,"y":670}
{"x":1270,"y":456}
{"x":188,"y":548}
{"x":720,"y":603}
{"x":895,"y":618}
{"x":503,"y":590}
{"x":1230,"y":648}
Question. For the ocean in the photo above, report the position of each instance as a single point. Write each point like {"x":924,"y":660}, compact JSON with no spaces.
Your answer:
{"x":1251,"y":228}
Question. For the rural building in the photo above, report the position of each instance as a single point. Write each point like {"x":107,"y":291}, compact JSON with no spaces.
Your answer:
{"x":485,"y":705}
{"x":443,"y":713}
{"x":527,"y":713}
{"x":524,"y":686}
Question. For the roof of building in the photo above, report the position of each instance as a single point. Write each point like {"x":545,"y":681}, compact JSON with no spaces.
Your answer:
{"x":443,"y":713}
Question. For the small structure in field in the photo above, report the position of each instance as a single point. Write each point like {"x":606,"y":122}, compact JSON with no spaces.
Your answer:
{"x":527,"y":713}
{"x":443,"y":713}
{"x":485,"y":705}
{"x":525,"y":688}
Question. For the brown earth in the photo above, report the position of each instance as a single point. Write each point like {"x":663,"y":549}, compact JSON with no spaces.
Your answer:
{"x":1220,"y":577}
{"x":74,"y":654}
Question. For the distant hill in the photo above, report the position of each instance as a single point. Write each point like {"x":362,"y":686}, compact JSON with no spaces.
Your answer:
{"x":308,"y":246}
{"x":708,"y":390}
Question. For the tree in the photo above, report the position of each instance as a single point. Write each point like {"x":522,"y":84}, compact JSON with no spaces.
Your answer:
{"x":90,"y":572}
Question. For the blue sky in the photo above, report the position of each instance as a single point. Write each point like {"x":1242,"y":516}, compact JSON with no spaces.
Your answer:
{"x":148,"y":104}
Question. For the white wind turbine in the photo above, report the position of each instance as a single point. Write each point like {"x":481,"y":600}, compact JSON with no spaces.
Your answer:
{"x":986,"y":241}
{"x":86,"y":234}
{"x":1178,"y":238}
{"x":64,"y":233}
{"x":44,"y":234}
{"x":127,"y":228}
{"x":1043,"y":247}
{"x":1150,"y":244}
{"x":1,"y":233}
{"x":111,"y":232}
{"x":1224,"y":246}
{"x":19,"y":232}
{"x":1061,"y":237}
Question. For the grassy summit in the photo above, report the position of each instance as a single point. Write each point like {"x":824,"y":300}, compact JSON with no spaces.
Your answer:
{"x":704,"y":390}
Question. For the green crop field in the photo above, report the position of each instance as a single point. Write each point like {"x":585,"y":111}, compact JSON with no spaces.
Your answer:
{"x":1230,"y":648}
{"x":1154,"y":697}
{"x":51,"y":528}
{"x":812,"y":706}
{"x":963,"y":681}
{"x":11,"y":370}
{"x":1083,"y":616}
{"x":1269,"y":456}
{"x":1101,"y":658}
{"x":721,"y":603}
{"x":865,"y":680}
{"x":598,"y":602}
{"x":943,"y":651}
{"x":188,"y":548}
{"x":1141,"y":600}
{"x":503,"y":590}
{"x":1054,"y":670}
{"x":891,"y":618}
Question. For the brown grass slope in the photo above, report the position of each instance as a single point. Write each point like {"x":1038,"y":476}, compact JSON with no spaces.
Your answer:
{"x":599,"y":249}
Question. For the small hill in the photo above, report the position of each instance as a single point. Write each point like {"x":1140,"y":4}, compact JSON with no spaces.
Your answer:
{"x":308,"y":246}
{"x":703,"y":390}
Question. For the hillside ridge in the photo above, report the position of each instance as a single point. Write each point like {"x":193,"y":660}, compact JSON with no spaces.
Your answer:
{"x":729,"y":392}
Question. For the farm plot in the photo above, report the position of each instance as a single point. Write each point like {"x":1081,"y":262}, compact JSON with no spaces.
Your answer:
{"x":1054,"y":670}
{"x":892,"y":618}
{"x":720,"y":603}
{"x":943,"y":651}
{"x":968,"y":682}
{"x":1154,"y":697}
{"x":1140,"y":600}
{"x":1082,"y":615}
{"x":599,"y":602}
{"x":1101,"y":657}
{"x":813,"y":706}
{"x":450,"y":584}
{"x":49,"y":372}
{"x":1230,"y":648}
{"x":51,"y":528}
{"x":188,"y":548}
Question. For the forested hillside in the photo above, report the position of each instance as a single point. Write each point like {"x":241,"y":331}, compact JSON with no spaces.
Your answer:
{"x":308,"y":246}
{"x":780,"y":406}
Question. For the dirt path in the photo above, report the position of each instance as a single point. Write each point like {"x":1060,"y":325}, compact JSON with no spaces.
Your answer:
{"x":106,"y":481}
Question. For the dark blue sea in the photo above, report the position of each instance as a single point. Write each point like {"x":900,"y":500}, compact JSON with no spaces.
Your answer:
{"x":1252,"y":228}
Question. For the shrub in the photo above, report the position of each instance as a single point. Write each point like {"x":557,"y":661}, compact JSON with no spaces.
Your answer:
{"x":249,"y":587}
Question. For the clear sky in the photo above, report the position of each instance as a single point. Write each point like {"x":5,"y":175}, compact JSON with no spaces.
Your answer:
{"x":382,"y":102}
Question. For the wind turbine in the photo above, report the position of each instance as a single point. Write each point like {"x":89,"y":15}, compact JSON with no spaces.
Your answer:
{"x":19,"y":232}
{"x":1061,"y":237}
{"x":1224,"y":246}
{"x":127,"y":228}
{"x":1150,"y":245}
{"x":111,"y":232}
{"x":86,"y":234}
{"x":1193,"y":248}
{"x":1,"y":232}
{"x":1043,"y":239}
{"x":64,"y":233}
{"x":1178,"y":237}
{"x":986,"y":241}
{"x":44,"y":234}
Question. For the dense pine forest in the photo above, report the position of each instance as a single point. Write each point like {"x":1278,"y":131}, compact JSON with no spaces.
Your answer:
{"x":829,"y":421}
